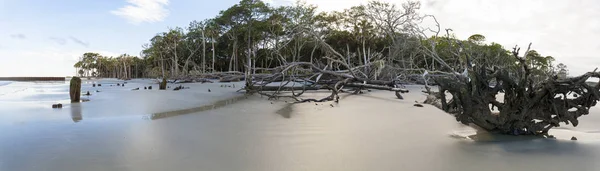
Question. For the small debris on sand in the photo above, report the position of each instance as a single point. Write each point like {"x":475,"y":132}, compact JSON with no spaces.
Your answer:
{"x":418,"y":105}
{"x":136,"y":88}
{"x":209,"y":90}
{"x":57,"y":106}
{"x":573,"y":138}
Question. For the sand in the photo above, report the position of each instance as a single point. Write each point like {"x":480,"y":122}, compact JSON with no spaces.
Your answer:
{"x":371,"y":131}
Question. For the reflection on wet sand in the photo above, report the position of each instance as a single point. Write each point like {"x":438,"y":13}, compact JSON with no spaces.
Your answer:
{"x":286,"y":111}
{"x":213,"y":106}
{"x":76,"y":112}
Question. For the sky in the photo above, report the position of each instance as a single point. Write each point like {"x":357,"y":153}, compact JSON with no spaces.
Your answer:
{"x":45,"y":38}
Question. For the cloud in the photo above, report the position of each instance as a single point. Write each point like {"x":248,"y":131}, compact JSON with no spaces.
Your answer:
{"x":18,"y":36}
{"x":280,"y":2}
{"x":550,"y":25}
{"x":140,"y":11}
{"x":60,"y":41}
{"x":82,"y":43}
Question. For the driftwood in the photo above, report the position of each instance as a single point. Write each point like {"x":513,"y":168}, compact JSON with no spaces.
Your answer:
{"x":298,"y":77}
{"x":528,"y":108}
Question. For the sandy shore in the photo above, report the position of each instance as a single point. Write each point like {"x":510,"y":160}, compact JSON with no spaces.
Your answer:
{"x":371,"y":131}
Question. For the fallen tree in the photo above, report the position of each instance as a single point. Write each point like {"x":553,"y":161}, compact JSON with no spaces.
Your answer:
{"x":527,"y":108}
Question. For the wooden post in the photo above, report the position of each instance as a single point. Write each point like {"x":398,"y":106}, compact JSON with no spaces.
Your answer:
{"x":163,"y":84}
{"x":75,"y":89}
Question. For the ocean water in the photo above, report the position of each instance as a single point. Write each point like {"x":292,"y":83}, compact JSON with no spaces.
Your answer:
{"x":372,"y":131}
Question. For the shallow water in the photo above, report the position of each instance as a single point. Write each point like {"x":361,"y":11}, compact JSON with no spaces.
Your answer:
{"x":373,"y":131}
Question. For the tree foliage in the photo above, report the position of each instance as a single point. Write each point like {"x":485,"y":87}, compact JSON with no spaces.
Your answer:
{"x":251,"y":35}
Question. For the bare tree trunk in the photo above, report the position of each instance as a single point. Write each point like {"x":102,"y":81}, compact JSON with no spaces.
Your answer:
{"x":203,"y":52}
{"x":348,"y":54}
{"x":312,"y":53}
{"x":365,"y":53}
{"x":213,"y":54}
{"x":231,"y":65}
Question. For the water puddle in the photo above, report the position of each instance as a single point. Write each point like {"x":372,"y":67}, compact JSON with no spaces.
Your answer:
{"x":286,"y":111}
{"x":216,"y":105}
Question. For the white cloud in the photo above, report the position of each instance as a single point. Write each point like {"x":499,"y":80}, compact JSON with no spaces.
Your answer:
{"x":18,"y":36}
{"x":80,"y":42}
{"x":140,"y":11}
{"x":566,"y":30}
{"x":58,"y":40}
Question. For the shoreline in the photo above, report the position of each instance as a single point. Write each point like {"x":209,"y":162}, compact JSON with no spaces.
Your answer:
{"x":33,"y":79}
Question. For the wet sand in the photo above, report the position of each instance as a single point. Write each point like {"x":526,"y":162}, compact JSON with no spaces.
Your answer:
{"x":372,"y":131}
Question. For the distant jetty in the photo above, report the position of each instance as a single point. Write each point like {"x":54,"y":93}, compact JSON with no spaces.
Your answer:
{"x":32,"y":78}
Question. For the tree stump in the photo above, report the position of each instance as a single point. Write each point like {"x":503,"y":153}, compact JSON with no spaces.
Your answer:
{"x":163,"y":84}
{"x":527,"y":107}
{"x":75,"y":89}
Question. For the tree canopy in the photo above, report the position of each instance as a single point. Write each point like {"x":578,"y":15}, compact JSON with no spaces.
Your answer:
{"x":255,"y":34}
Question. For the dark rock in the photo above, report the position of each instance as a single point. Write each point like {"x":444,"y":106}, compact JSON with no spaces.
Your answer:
{"x":209,"y":90}
{"x":118,"y":84}
{"x":178,"y":88}
{"x":418,"y":105}
{"x":75,"y":89}
{"x":88,"y":93}
{"x":93,"y":85}
{"x":145,"y":88}
{"x":123,"y":85}
{"x":99,"y":85}
{"x":149,"y":87}
{"x":136,"y":88}
{"x":57,"y":106}
{"x":331,"y":105}
{"x":573,"y":138}
{"x":97,"y":91}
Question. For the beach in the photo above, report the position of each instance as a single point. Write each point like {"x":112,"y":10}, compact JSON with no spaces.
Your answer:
{"x":194,"y":129}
